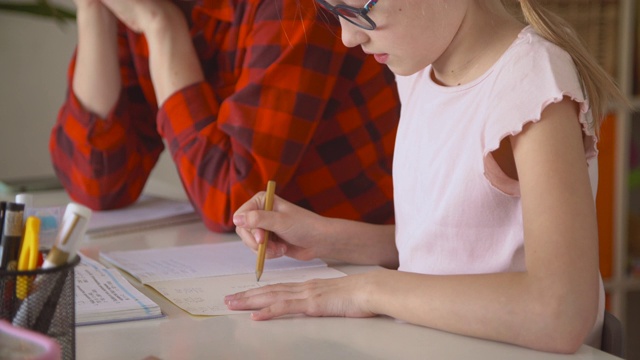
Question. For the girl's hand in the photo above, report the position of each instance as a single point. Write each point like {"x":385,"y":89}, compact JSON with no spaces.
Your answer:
{"x":344,"y":297}
{"x":295,"y":232}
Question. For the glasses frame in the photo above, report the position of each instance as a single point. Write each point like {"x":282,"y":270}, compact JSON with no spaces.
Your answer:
{"x":357,"y":12}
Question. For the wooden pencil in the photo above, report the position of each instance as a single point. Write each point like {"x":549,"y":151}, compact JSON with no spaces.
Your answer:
{"x":262,"y":248}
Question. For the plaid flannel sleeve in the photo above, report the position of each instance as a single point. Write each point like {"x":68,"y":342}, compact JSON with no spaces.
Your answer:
{"x":104,"y":163}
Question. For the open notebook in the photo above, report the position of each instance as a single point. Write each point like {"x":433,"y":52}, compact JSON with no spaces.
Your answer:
{"x":196,"y":278}
{"x":103,"y":295}
{"x":148,"y":212}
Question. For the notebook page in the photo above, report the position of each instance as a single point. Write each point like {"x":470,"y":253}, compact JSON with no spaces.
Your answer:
{"x":196,"y":261}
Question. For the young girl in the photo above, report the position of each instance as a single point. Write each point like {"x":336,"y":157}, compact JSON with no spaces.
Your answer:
{"x":495,"y":233}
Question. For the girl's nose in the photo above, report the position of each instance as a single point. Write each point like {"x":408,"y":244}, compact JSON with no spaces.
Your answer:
{"x":352,"y":35}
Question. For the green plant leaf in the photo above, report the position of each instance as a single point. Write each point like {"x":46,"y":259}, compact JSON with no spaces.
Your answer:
{"x":40,"y":8}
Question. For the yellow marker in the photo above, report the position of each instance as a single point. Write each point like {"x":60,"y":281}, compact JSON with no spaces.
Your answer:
{"x":262,"y":248}
{"x":28,"y":255}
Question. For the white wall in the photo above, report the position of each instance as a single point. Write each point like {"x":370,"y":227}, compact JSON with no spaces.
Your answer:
{"x":34,"y":55}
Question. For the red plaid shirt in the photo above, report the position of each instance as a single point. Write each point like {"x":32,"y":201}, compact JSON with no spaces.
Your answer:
{"x":283,"y":99}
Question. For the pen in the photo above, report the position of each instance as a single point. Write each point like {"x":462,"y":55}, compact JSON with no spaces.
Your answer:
{"x":72,"y":230}
{"x":28,"y":255}
{"x":11,"y":236}
{"x":35,"y":311}
{"x":10,"y":250}
{"x":262,"y":248}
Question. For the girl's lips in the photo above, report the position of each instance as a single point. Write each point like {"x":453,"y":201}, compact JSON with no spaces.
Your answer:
{"x":381,"y":58}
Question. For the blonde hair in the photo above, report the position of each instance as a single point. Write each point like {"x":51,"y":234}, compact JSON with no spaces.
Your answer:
{"x":599,"y":87}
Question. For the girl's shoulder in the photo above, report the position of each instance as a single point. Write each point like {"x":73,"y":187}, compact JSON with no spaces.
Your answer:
{"x":531,"y":51}
{"x":535,"y":65}
{"x":533,"y":74}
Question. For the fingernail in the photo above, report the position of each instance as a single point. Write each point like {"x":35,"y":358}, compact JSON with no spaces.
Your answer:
{"x":238,"y":219}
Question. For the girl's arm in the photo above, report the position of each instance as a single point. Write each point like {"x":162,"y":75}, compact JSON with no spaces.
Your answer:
{"x":551,"y":307}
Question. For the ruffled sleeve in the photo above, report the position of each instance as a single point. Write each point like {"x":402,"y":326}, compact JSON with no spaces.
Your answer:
{"x":539,"y":74}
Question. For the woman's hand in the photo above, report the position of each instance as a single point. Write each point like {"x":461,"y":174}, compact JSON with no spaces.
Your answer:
{"x":173,"y":61}
{"x":344,"y":297}
{"x":86,"y":4}
{"x":140,"y":15}
{"x":294,"y":230}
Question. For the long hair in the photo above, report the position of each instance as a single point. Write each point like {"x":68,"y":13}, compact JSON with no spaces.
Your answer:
{"x":599,"y":87}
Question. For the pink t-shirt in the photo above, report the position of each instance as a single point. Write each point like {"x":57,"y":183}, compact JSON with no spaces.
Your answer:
{"x":456,"y":211}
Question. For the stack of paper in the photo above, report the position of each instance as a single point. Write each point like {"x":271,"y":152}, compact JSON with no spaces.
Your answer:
{"x":104,"y":295}
{"x":196,"y":278}
{"x":146,"y":213}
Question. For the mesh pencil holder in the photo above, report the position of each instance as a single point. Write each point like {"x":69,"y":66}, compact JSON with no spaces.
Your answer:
{"x":42,"y":300}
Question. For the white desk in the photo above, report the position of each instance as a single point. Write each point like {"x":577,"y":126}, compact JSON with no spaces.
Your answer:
{"x":182,"y":336}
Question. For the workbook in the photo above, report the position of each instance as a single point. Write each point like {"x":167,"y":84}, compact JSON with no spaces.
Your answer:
{"x":146,"y":213}
{"x":103,"y":295}
{"x":196,"y":278}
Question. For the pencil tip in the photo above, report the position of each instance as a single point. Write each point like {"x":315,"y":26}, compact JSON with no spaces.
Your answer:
{"x":258,"y":275}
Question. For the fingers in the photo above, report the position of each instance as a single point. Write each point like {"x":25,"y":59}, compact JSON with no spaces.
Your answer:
{"x":252,"y":223}
{"x":247,"y":237}
{"x":289,"y":224}
{"x":253,"y":237}
{"x":126,"y":11}
{"x":255,"y":203}
{"x":270,"y":301}
{"x":138,"y":15}
{"x":250,"y":214}
{"x":280,"y":309}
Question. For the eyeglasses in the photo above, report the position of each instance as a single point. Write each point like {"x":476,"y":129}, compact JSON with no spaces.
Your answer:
{"x":357,"y":17}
